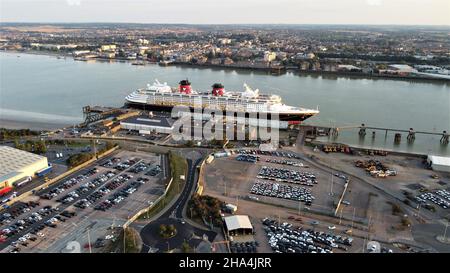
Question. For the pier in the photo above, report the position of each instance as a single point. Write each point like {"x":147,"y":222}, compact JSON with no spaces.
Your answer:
{"x":95,"y":113}
{"x":315,"y":131}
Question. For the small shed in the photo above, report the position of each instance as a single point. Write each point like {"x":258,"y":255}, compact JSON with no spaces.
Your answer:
{"x":439,"y":163}
{"x":238,"y":225}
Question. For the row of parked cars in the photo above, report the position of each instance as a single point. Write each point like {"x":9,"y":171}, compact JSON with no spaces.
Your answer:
{"x":119,"y":196}
{"x":243,"y":247}
{"x":15,"y":211}
{"x":285,"y":162}
{"x":284,"y":238}
{"x":37,"y":230}
{"x":111,"y":162}
{"x":288,"y":176}
{"x":428,"y":196}
{"x":85,"y":188}
{"x":154,"y":171}
{"x":247,"y":158}
{"x":126,"y":164}
{"x":139,"y":167}
{"x":91,"y":198}
{"x":283,"y":191}
{"x":444,"y":194}
{"x":107,"y":188}
{"x":269,"y":153}
{"x":22,"y":224}
{"x":68,"y":184}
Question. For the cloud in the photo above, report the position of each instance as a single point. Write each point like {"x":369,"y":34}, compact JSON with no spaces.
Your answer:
{"x":73,"y":2}
{"x":374,"y":2}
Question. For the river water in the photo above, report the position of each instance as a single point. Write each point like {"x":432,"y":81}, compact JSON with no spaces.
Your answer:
{"x":48,"y":89}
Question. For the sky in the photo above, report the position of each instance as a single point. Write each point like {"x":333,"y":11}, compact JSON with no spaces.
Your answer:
{"x":397,"y":12}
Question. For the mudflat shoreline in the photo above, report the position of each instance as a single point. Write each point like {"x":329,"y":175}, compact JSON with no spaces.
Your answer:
{"x":37,"y":126}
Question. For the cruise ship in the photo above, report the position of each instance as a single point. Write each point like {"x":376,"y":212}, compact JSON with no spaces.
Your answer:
{"x":161,"y":97}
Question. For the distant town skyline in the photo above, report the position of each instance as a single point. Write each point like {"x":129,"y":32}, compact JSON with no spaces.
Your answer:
{"x":373,"y":12}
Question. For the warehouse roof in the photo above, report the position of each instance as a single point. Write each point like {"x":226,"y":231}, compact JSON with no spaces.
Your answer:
{"x":13,"y":160}
{"x":402,"y":67}
{"x":439,"y":160}
{"x":238,"y":222}
{"x":149,"y":121}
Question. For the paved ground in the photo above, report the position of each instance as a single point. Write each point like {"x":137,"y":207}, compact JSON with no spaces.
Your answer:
{"x":233,"y":178}
{"x":90,"y":224}
{"x":427,"y":233}
{"x":174,"y":215}
{"x":386,"y":226}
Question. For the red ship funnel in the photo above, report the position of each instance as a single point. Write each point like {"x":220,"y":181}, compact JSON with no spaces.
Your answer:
{"x":218,"y":89}
{"x":185,"y":87}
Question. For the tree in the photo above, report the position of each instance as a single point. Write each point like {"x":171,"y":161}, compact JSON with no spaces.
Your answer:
{"x":185,"y":247}
{"x":17,"y":144}
{"x":40,"y":147}
{"x":189,"y":143}
{"x":171,"y":230}
{"x":162,"y":229}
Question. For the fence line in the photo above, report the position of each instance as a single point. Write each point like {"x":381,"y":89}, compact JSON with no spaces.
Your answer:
{"x":145,"y":210}
{"x":340,"y":199}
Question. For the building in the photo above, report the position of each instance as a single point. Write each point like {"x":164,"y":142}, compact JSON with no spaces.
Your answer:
{"x":269,"y":56}
{"x":17,"y":165}
{"x":348,"y":68}
{"x":401,"y":68}
{"x":147,"y":124}
{"x":108,"y":55}
{"x":238,"y":225}
{"x":398,"y":69}
{"x":439,"y":163}
{"x":78,"y":53}
{"x":224,"y":41}
{"x":304,"y":56}
{"x":108,"y":47}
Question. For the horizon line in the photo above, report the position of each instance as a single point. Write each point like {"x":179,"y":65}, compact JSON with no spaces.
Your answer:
{"x":222,"y":24}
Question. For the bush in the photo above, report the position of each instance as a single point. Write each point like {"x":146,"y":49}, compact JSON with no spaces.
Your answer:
{"x":77,"y":159}
{"x":37,"y":147}
{"x":185,"y":247}
{"x":10,"y":133}
{"x":167,"y":231}
{"x":396,"y":209}
{"x":406,"y":222}
{"x":206,"y":207}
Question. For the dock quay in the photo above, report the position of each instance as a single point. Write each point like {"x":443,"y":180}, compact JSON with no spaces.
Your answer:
{"x":315,"y":131}
{"x":96,"y":113}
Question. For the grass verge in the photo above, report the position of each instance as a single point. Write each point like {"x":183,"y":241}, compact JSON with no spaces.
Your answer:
{"x":131,"y":243}
{"x":178,"y":167}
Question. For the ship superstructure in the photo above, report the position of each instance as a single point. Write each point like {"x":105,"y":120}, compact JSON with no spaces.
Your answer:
{"x":160,"y":96}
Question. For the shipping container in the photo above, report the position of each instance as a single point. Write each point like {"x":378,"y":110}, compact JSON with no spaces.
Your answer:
{"x":45,"y":171}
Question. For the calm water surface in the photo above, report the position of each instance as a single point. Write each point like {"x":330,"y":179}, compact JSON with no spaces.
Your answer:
{"x":35,"y":87}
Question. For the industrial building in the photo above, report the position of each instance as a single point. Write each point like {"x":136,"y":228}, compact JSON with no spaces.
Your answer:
{"x":439,"y":163}
{"x":238,"y":225}
{"x":17,"y":165}
{"x":148,"y":124}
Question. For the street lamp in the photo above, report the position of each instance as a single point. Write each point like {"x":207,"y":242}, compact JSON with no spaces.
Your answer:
{"x":446,"y":227}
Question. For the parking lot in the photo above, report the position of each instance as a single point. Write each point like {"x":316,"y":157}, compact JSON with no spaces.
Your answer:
{"x":440,"y":198}
{"x":90,"y":201}
{"x":279,"y":178}
{"x":286,"y":238}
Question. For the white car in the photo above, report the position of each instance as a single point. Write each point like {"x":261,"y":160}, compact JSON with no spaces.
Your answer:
{"x":331,"y":227}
